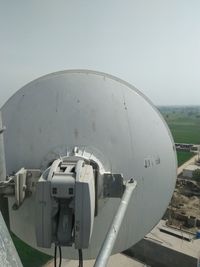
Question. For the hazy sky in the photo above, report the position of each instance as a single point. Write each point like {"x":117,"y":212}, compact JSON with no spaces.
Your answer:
{"x":153,"y":44}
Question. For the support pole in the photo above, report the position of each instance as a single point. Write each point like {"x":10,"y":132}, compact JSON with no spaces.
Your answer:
{"x":8,"y":253}
{"x":113,"y":231}
{"x":2,"y":154}
{"x":3,"y":200}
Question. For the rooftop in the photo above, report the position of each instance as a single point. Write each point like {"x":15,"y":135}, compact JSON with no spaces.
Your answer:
{"x":192,"y":167}
{"x":190,"y":248}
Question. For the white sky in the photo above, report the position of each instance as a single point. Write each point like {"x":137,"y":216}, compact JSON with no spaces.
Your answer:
{"x":153,"y":44}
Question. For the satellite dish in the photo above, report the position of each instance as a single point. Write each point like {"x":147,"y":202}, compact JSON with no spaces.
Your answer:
{"x":108,"y":120}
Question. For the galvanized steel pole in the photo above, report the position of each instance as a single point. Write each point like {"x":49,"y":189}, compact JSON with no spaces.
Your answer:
{"x":8,"y":253}
{"x":3,"y":201}
{"x":2,"y":155}
{"x":113,"y":231}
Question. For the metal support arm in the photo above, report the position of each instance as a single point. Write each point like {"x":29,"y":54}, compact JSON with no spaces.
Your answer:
{"x":113,"y":231}
{"x":21,"y":185}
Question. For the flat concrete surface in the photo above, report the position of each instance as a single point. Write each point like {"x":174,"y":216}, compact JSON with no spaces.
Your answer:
{"x":118,"y":260}
{"x":183,"y":166}
{"x":191,"y":248}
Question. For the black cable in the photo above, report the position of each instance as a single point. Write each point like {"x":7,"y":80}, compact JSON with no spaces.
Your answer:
{"x":80,"y":255}
{"x":60,"y":252}
{"x":55,"y":256}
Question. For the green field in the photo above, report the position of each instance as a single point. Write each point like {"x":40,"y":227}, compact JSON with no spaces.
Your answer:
{"x":183,"y":156}
{"x":184,"y":123}
{"x":185,"y":131}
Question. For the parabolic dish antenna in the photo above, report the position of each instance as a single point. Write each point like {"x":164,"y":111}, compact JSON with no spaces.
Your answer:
{"x":106,"y":119}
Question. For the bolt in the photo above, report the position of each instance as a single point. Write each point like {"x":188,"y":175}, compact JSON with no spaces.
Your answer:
{"x":15,"y":207}
{"x":29,"y":174}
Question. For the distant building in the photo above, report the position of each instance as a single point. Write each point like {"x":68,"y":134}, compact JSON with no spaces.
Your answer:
{"x":189,"y":170}
{"x":184,"y":147}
